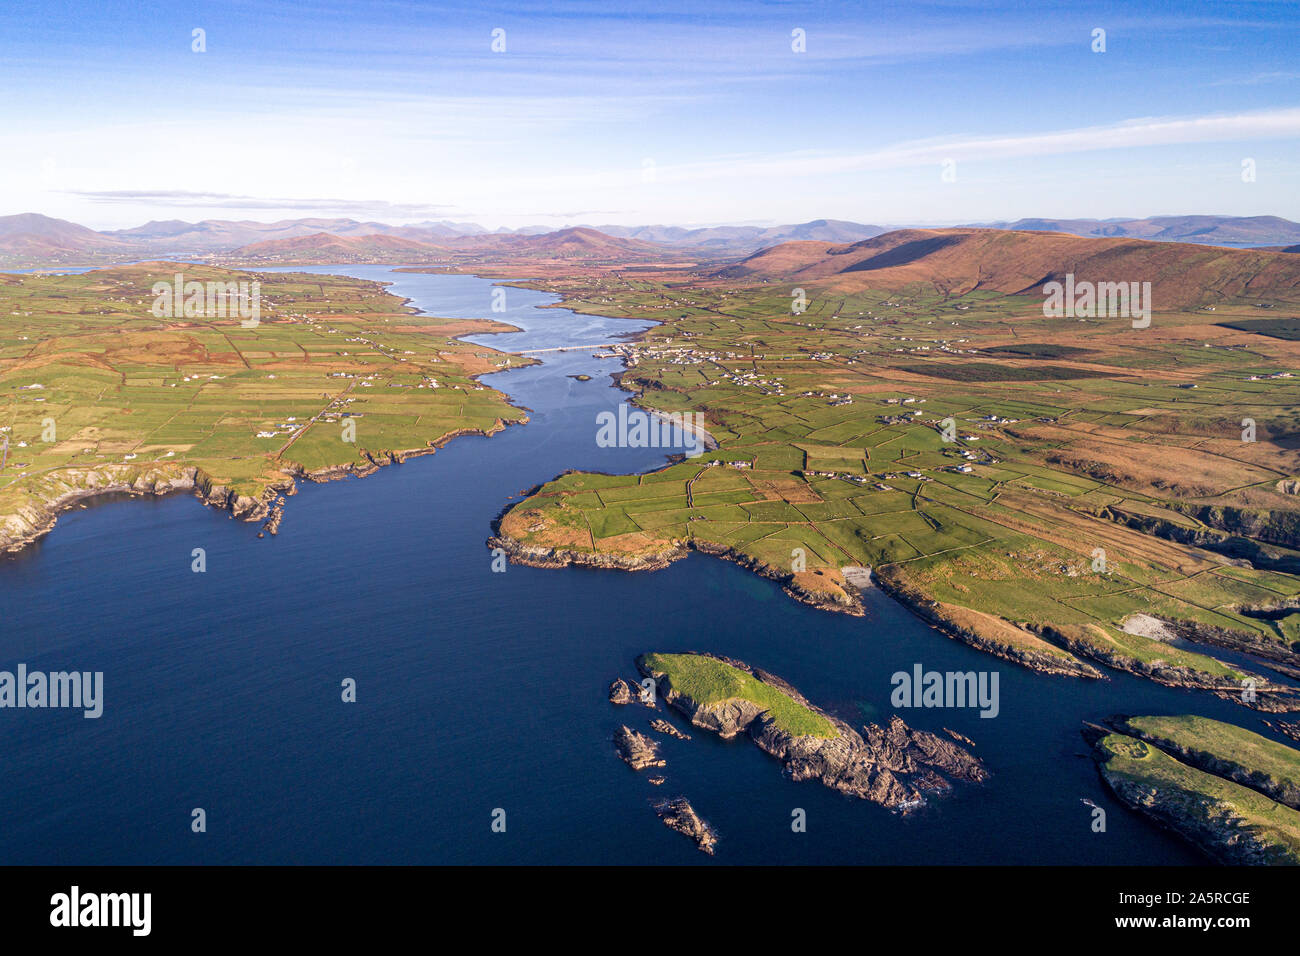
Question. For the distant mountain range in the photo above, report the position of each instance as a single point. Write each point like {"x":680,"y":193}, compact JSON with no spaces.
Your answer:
{"x":1209,"y":230}
{"x":580,"y":243}
{"x":32,"y":233}
{"x":322,"y":246}
{"x":221,"y":235}
{"x":34,"y":239}
{"x":739,"y":240}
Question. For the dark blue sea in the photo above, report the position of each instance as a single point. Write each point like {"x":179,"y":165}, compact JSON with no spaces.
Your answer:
{"x":479,"y":691}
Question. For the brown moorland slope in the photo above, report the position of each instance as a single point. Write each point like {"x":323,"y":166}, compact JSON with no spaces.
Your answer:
{"x":562,"y":246}
{"x":349,"y":247}
{"x":577,"y":242}
{"x":957,"y":261}
{"x":31,"y":234}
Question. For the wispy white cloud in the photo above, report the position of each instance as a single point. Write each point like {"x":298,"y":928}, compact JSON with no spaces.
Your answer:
{"x":188,"y":199}
{"x":1258,"y":79}
{"x":1129,"y":134}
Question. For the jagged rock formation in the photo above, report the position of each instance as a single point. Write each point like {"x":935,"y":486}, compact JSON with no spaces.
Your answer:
{"x":619,"y":692}
{"x":1262,"y":524}
{"x":637,"y":750}
{"x":666,"y":728}
{"x":1235,"y":546}
{"x":678,"y":814}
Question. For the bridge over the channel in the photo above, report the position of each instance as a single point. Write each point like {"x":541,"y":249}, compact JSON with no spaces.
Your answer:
{"x":568,"y":348}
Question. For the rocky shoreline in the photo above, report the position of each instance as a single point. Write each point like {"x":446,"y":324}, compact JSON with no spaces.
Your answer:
{"x":33,"y":521}
{"x":1270,"y":697}
{"x":1245,"y":642}
{"x":1185,"y":678}
{"x":37,"y":518}
{"x":1218,"y":837}
{"x":934,"y":613}
{"x":842,"y":600}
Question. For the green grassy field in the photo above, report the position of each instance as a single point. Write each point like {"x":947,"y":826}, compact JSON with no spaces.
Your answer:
{"x":335,"y":372}
{"x":1057,"y":428}
{"x":1199,"y":802}
{"x":1229,"y":743}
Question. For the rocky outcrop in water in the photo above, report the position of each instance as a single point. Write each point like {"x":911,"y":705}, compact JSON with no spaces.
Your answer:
{"x":1286,"y":728}
{"x":894,"y":766}
{"x":637,"y":750}
{"x":272,"y":526}
{"x":620,"y":693}
{"x":668,"y":729}
{"x":678,"y":814}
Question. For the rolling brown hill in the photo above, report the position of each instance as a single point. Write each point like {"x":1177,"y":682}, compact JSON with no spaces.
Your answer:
{"x":31,"y":234}
{"x":956,"y":261}
{"x":574,"y":243}
{"x":579,"y":242}
{"x":345,"y":248}
{"x":222,"y":236}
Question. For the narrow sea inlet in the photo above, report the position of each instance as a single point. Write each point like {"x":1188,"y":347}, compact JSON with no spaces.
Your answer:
{"x":479,"y":691}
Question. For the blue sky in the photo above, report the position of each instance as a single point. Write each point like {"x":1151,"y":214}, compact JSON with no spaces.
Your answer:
{"x":641,"y":112}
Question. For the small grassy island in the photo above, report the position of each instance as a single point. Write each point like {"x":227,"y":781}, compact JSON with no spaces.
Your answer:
{"x":894,"y":766}
{"x":707,"y":681}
